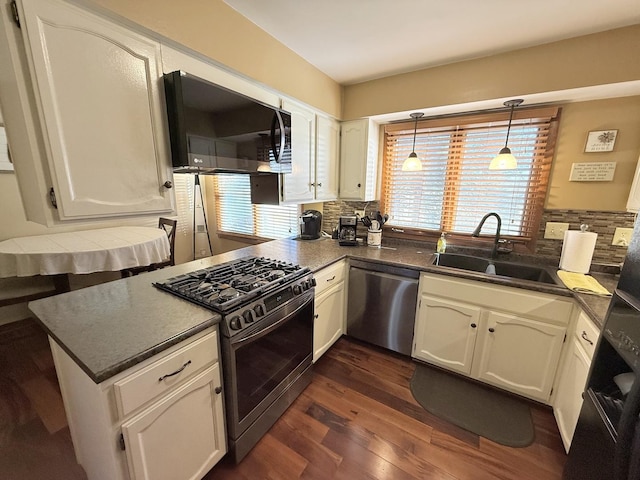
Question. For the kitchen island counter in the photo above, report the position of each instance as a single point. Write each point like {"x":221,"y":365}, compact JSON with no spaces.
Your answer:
{"x":110,"y":327}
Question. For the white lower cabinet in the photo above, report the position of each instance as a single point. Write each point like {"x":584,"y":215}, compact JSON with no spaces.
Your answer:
{"x":508,"y":337}
{"x":161,"y":419}
{"x":160,"y":441}
{"x":573,"y":377}
{"x":519,"y":354}
{"x":450,"y":342}
{"x":328,"y":325}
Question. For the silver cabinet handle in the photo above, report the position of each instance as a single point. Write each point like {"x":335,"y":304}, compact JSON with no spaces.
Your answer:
{"x":399,"y":230}
{"x":585,"y":338}
{"x":319,"y":184}
{"x":331,"y":279}
{"x":176,"y":372}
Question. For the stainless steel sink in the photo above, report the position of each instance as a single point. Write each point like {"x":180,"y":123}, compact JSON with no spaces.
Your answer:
{"x":505,"y":269}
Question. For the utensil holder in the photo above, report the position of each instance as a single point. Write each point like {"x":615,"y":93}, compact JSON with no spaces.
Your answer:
{"x":374,"y":237}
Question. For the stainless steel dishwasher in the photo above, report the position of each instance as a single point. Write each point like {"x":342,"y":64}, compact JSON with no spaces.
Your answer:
{"x":382,"y":305}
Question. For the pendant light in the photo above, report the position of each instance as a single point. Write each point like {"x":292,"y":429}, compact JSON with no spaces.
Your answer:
{"x":505,"y":160}
{"x":412,"y":163}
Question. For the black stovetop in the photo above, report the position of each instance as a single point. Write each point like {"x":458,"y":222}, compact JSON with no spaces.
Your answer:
{"x":227,"y":286}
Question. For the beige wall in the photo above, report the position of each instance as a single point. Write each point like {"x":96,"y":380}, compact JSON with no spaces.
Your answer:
{"x":622,"y":114}
{"x":214,"y":29}
{"x":598,"y":59}
{"x":592,"y":60}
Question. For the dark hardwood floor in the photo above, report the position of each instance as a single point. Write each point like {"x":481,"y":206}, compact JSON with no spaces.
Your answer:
{"x":357,"y":420}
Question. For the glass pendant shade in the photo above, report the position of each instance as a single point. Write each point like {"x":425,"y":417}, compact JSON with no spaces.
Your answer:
{"x":505,"y":159}
{"x":413,"y":163}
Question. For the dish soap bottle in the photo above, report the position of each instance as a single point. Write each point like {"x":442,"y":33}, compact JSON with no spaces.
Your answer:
{"x":442,"y":244}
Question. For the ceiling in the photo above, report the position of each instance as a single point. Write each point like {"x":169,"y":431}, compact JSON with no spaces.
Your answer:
{"x":357,"y":40}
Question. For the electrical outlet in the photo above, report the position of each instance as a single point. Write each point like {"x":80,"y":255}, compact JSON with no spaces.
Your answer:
{"x":555,"y":230}
{"x":622,"y":237}
{"x":359,"y":213}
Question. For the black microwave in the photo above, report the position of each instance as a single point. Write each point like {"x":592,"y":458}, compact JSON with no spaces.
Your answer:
{"x":216,"y":130}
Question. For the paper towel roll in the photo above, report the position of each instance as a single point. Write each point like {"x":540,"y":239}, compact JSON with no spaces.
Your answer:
{"x":577,"y":251}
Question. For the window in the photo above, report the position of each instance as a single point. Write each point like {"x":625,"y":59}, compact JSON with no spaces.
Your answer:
{"x":455,"y":188}
{"x":237,"y":215}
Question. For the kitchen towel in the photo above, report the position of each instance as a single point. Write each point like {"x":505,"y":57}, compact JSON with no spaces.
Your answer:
{"x":577,"y":251}
{"x":581,"y":283}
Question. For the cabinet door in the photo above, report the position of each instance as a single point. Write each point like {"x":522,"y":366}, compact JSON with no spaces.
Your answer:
{"x":568,"y":398}
{"x":328,"y":325}
{"x":180,"y":436}
{"x":633,"y":202}
{"x":327,"y":156}
{"x":297,"y":185}
{"x":518,"y":354}
{"x":98,"y":93}
{"x":358,"y":160}
{"x":445,"y":333}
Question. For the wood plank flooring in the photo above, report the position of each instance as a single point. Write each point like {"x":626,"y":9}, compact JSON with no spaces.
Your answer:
{"x":357,"y":420}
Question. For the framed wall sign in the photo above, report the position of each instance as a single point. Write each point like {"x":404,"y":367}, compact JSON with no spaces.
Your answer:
{"x":5,"y":162}
{"x":601,"y":141}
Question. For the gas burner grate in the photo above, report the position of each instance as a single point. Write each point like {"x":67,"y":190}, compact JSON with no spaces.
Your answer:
{"x":232,"y":284}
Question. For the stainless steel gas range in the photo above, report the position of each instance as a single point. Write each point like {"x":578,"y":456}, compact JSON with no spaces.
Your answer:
{"x":267,"y":338}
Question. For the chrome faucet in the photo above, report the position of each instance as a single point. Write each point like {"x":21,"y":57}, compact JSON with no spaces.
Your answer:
{"x":476,"y":232}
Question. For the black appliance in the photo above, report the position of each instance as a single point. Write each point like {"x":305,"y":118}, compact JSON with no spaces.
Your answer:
{"x":347,"y":229}
{"x":267,"y":338}
{"x":606,"y":442}
{"x":310,"y":224}
{"x":216,"y":130}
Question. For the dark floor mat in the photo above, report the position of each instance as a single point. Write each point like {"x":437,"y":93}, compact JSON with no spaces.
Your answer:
{"x":484,"y":411}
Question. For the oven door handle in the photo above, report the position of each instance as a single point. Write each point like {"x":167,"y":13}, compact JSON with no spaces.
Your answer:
{"x":273,"y":326}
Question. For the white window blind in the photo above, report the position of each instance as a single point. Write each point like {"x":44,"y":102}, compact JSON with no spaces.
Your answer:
{"x":455,"y":188}
{"x":236,"y":214}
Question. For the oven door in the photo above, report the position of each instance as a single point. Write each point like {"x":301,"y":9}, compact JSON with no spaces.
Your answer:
{"x":261,"y":363}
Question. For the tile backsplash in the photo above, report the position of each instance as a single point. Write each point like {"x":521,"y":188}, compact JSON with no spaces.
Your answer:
{"x":603,"y":223}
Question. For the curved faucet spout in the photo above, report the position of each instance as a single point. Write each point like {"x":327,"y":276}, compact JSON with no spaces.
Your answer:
{"x":476,"y":232}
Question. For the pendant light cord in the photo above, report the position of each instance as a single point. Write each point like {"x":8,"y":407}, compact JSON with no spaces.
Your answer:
{"x":415,"y":129}
{"x":509,"y":127}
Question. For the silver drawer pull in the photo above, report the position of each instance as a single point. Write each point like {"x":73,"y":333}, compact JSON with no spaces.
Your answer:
{"x":399,"y":230}
{"x":331,"y":279}
{"x":176,"y":372}
{"x":584,"y":337}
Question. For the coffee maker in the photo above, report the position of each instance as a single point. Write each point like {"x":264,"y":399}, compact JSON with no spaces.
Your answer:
{"x":347,"y":226}
{"x":310,"y":224}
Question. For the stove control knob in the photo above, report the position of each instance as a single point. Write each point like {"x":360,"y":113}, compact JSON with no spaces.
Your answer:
{"x":259,"y":310}
{"x":248,"y":316}
{"x":235,"y":323}
{"x":313,"y":282}
{"x":297,"y":289}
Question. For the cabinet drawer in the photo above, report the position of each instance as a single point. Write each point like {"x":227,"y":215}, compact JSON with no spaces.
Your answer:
{"x":587,"y":334}
{"x":161,"y":376}
{"x":329,"y":276}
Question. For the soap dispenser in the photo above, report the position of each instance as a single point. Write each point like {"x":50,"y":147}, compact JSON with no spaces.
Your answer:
{"x":442,"y":244}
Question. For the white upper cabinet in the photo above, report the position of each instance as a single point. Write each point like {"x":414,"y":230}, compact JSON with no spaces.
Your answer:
{"x":359,"y":160}
{"x":633,"y":203}
{"x":88,"y":112}
{"x":315,"y":150}
{"x":298,"y":185}
{"x":327,"y":157}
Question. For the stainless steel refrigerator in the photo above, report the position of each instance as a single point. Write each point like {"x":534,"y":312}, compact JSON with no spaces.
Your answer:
{"x":606,"y":443}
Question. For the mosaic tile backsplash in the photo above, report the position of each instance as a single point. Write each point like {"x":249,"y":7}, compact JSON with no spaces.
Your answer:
{"x":603,"y":223}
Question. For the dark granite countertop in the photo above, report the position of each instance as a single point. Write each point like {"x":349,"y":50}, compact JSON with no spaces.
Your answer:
{"x":113,"y":326}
